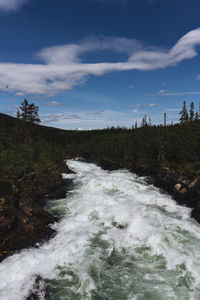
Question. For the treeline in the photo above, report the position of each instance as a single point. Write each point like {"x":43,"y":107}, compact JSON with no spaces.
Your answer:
{"x":193,"y":114}
{"x":149,"y":147}
{"x":27,"y":147}
{"x":33,"y":156}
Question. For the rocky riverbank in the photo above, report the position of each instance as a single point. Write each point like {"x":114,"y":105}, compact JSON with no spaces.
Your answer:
{"x":23,"y":221}
{"x":185,"y":189}
{"x":182,"y":186}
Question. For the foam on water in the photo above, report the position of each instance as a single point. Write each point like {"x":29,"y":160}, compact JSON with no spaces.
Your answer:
{"x":119,"y":238}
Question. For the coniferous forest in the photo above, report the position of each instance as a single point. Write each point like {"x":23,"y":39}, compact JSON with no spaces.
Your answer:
{"x":32,"y":158}
{"x":28,"y":147}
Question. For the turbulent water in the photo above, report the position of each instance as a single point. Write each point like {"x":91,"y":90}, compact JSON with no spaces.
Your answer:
{"x":119,"y":238}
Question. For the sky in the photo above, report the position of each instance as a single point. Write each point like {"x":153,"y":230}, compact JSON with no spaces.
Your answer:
{"x":97,"y":63}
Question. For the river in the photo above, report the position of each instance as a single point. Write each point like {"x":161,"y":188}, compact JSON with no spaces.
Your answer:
{"x":119,"y":238}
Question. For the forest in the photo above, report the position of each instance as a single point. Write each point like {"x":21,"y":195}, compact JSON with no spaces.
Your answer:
{"x":33,"y":157}
{"x":26,"y":146}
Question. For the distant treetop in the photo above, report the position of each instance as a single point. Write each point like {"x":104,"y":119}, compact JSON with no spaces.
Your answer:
{"x":28,"y":112}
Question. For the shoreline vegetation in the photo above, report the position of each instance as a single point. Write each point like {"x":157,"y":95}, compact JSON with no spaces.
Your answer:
{"x":32,"y":159}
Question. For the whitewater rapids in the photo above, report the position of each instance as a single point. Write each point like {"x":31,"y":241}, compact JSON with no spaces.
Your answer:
{"x":119,"y":238}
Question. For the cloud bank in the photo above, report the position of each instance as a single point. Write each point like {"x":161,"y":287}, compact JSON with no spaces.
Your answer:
{"x":62,"y":67}
{"x":11,"y":5}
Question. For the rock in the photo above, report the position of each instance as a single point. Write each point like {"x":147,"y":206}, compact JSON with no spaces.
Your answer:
{"x":183,"y":191}
{"x":23,"y":222}
{"x":184,"y":181}
{"x":196,"y":213}
{"x":120,"y":226}
{"x":2,"y":201}
{"x":177,"y":187}
{"x":193,"y":182}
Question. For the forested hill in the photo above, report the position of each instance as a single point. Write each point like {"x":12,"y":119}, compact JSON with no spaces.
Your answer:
{"x":32,"y":158}
{"x":25,"y":147}
{"x":31,"y":163}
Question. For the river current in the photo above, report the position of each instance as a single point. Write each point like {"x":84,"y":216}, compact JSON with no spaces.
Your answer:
{"x":119,"y":238}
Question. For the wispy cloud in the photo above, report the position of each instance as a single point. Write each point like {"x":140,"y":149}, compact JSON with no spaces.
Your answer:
{"x":160,"y":92}
{"x":173,"y":109}
{"x":54,"y":103}
{"x":131,"y":86}
{"x":62,"y":67}
{"x":172,"y":93}
{"x":198,"y":77}
{"x":11,"y":5}
{"x":51,"y":118}
{"x":83,"y":120}
{"x":95,"y":112}
{"x":140,"y":106}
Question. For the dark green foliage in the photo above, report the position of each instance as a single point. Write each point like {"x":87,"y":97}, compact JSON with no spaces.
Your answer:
{"x":191,"y":118}
{"x":25,"y":149}
{"x":144,"y":121}
{"x":28,"y":112}
{"x":196,"y":117}
{"x":165,"y":119}
{"x":184,"y":114}
{"x":6,"y":189}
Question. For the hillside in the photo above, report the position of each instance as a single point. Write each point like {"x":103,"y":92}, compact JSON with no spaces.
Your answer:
{"x":31,"y":162}
{"x":32,"y":158}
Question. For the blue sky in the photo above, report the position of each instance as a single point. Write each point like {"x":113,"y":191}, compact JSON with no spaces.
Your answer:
{"x":97,"y":63}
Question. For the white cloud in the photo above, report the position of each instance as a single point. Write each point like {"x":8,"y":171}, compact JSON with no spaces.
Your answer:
{"x":173,"y":109}
{"x":59,"y":117}
{"x":95,"y":112}
{"x":139,"y":106}
{"x":11,"y":5}
{"x":131,"y":86}
{"x":171,"y":93}
{"x":63,"y":66}
{"x":161,"y":92}
{"x":54,"y":103}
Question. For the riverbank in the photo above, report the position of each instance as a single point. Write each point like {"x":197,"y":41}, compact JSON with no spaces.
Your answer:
{"x":23,"y":221}
{"x":119,"y":238}
{"x":183,"y":186}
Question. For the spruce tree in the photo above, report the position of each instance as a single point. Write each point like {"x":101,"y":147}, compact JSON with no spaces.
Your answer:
{"x":184,"y":114}
{"x":199,"y":111}
{"x":144,"y":121}
{"x":136,"y":124}
{"x":149,"y":123}
{"x":196,"y":117}
{"x":165,"y":119}
{"x":191,"y":118}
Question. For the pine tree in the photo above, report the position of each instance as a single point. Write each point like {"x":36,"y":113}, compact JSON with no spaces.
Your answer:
{"x":144,"y":121}
{"x":165,"y":119}
{"x":196,"y":117}
{"x":136,"y":124}
{"x":199,"y":111}
{"x":191,"y":118}
{"x":184,"y":114}
{"x":28,"y":112}
{"x":149,"y":123}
